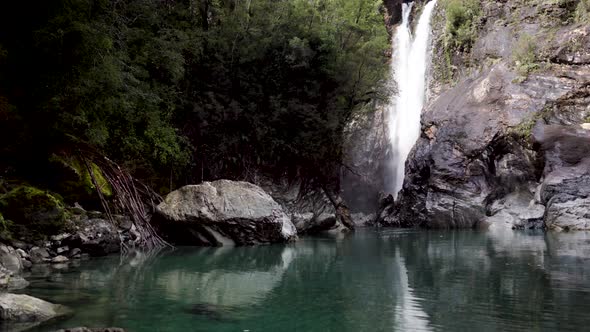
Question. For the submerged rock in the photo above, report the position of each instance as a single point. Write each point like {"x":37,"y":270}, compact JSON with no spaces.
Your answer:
{"x":10,"y":280}
{"x":223,"y":212}
{"x":24,"y":308}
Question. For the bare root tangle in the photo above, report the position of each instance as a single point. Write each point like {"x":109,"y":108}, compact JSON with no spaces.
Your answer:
{"x":131,"y":196}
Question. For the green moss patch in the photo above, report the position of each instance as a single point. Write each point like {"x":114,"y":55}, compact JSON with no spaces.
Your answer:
{"x":582,"y":13}
{"x":34,"y":213}
{"x":82,"y":177}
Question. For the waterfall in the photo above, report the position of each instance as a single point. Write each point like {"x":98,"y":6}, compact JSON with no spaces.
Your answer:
{"x":411,"y":58}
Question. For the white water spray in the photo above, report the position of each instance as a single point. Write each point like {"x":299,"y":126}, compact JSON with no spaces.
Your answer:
{"x":411,"y":58}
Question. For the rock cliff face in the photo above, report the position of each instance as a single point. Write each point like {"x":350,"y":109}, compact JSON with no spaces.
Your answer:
{"x":368,"y":159}
{"x":393,"y":12}
{"x":503,"y":140}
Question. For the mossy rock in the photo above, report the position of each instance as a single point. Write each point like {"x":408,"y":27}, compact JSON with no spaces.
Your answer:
{"x":35,"y":214}
{"x":5,"y":233}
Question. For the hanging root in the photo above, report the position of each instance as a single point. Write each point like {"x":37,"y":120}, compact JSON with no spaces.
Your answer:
{"x":131,"y":196}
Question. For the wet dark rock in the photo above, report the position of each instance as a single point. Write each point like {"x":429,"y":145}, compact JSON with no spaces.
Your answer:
{"x":27,"y":264}
{"x":361,"y":219}
{"x":301,"y":220}
{"x":75,"y":252}
{"x":393,"y":12}
{"x":302,"y":208}
{"x":94,"y":214}
{"x":96,"y":237}
{"x":317,"y":224}
{"x":20,"y":245}
{"x":123,"y":222}
{"x":38,"y":255}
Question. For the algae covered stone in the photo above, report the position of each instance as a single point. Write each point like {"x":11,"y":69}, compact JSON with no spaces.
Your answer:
{"x":33,"y":213}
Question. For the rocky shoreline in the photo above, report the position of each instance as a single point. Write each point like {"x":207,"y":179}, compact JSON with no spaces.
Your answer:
{"x":215,"y":213}
{"x":92,"y":235}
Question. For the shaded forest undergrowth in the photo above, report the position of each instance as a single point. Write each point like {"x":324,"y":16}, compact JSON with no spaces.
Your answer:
{"x":179,"y":92}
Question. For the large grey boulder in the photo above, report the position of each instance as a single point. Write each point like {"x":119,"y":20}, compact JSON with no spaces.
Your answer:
{"x":23,"y":308}
{"x":223,"y":212}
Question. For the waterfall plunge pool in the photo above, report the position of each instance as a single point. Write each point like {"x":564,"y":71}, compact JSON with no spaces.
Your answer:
{"x":373,"y":280}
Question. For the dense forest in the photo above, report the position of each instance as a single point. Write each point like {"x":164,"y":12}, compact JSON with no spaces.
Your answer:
{"x":183,"y":91}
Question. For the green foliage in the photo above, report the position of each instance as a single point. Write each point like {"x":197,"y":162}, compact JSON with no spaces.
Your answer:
{"x":178,"y":92}
{"x":34,"y":213}
{"x":461,"y":23}
{"x":82,"y":179}
{"x":5,"y":225}
{"x":524,"y":55}
{"x":582,"y":14}
{"x":5,"y":229}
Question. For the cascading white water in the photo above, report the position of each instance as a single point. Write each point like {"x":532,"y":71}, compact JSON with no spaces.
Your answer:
{"x":411,"y":58}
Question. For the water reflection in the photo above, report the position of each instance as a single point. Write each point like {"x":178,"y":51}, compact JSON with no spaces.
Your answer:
{"x":409,"y":315}
{"x":214,"y":283}
{"x":372,"y":281}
